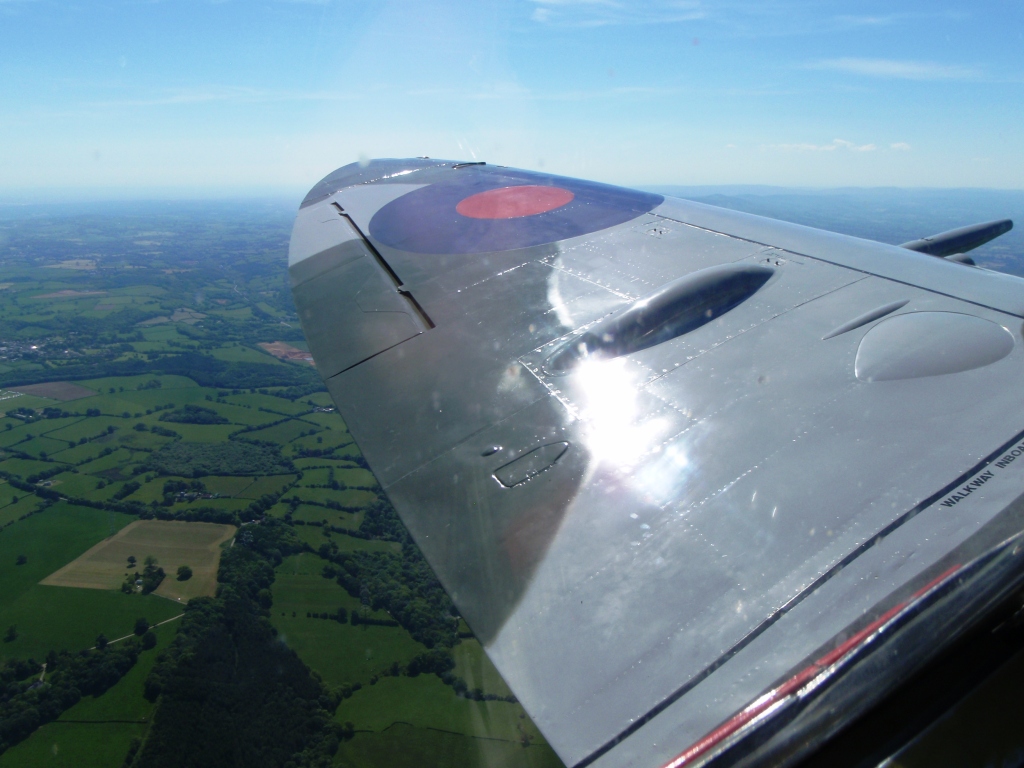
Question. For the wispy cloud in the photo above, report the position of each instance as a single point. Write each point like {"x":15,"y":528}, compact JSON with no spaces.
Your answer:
{"x":898,"y":69}
{"x":234,"y":95}
{"x":508,"y":91}
{"x":836,"y":144}
{"x":900,"y":146}
{"x":852,"y":22}
{"x":599,"y":13}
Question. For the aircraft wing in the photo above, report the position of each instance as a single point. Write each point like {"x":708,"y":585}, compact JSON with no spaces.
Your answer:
{"x":698,"y":480}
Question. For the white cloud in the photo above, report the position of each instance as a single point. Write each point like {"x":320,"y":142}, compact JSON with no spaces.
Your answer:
{"x":900,"y":146}
{"x":896,"y":69}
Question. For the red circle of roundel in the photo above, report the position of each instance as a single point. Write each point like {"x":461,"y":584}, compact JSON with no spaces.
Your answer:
{"x":514,"y":202}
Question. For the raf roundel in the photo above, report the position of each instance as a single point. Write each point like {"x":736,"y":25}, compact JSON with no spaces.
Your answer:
{"x":485,"y":209}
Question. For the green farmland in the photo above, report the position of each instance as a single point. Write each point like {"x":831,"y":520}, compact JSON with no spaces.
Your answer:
{"x":136,"y":392}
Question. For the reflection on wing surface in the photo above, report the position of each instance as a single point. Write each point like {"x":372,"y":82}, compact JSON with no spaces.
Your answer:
{"x":649,"y":539}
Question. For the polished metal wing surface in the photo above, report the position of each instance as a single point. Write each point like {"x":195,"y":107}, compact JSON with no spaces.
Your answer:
{"x":663,"y":456}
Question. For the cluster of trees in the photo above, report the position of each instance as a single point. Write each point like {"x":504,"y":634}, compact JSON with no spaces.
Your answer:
{"x":228,"y":458}
{"x":194,"y":414}
{"x":29,"y":415}
{"x":127,"y":490}
{"x":401,"y":584}
{"x":46,"y":474}
{"x":404,"y":586}
{"x":151,"y":577}
{"x":27,"y":703}
{"x":156,"y":430}
{"x":174,"y":487}
{"x":382,"y":522}
{"x":293,"y":393}
{"x":230,"y":693}
{"x":181,"y":490}
{"x":337,"y":485}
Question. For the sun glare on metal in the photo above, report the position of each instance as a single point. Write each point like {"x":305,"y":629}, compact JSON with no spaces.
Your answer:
{"x":608,"y":395}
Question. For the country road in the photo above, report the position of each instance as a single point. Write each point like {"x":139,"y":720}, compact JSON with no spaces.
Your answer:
{"x":165,"y":621}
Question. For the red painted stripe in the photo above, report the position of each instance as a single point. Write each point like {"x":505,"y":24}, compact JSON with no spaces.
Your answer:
{"x":799,"y":680}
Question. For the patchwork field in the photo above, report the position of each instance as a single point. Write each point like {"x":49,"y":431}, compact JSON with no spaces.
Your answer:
{"x":51,"y":618}
{"x":342,"y":653}
{"x":133,"y":402}
{"x":426,"y":702}
{"x":172,"y":543}
{"x":97,"y":730}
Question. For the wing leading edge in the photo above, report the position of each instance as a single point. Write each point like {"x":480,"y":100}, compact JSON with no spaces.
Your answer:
{"x":656,"y":501}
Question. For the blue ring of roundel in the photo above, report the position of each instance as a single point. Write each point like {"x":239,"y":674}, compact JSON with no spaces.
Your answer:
{"x":425,"y":220}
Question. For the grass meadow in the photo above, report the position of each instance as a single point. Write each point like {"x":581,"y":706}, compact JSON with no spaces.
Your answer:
{"x":405,"y":746}
{"x":95,"y":732}
{"x":54,"y":618}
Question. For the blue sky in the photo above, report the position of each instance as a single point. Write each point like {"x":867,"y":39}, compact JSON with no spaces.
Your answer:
{"x":128,"y":98}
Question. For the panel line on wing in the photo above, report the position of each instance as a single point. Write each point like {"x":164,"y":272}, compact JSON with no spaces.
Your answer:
{"x":583,"y":276}
{"x":418,"y":312}
{"x":795,"y":601}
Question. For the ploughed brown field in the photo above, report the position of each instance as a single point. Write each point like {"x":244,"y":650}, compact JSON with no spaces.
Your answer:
{"x":283,"y":351}
{"x":172,"y":543}
{"x":58,"y":390}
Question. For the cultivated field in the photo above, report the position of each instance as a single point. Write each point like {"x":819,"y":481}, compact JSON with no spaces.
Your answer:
{"x":96,"y":378}
{"x":58,"y":390}
{"x":172,"y":543}
{"x":51,"y":618}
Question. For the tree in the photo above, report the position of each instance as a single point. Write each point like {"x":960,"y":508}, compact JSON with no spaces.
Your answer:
{"x":22,"y":559}
{"x":141,"y":626}
{"x":152,"y":575}
{"x":184,"y":573}
{"x":101,"y":641}
{"x":148,"y":640}
{"x":131,"y":561}
{"x":11,"y":634}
